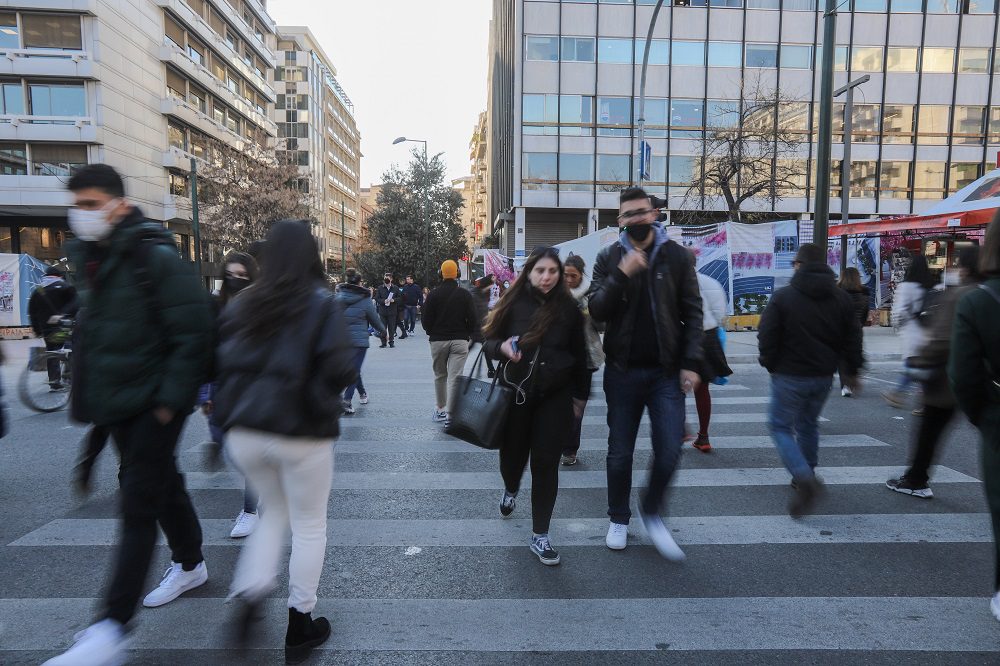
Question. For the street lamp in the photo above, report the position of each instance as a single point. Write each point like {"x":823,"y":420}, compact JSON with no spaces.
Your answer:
{"x":423,"y":209}
{"x":845,"y":163}
{"x":824,"y":144}
{"x":641,"y":120}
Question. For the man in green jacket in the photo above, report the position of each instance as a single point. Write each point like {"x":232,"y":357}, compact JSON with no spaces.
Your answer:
{"x":142,"y":348}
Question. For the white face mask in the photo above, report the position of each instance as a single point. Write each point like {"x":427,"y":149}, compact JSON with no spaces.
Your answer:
{"x":92,"y":225}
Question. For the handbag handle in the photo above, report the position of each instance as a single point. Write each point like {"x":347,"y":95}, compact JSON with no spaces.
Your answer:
{"x":472,"y":373}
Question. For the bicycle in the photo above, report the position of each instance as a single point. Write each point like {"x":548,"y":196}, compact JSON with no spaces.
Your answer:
{"x":47,"y":379}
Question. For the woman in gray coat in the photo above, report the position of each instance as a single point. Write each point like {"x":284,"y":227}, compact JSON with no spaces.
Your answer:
{"x":360,"y":312}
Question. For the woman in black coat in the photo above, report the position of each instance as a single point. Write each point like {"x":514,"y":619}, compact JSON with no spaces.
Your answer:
{"x":850,"y":281}
{"x":536,"y":330}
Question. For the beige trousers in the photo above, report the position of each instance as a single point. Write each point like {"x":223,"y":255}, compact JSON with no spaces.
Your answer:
{"x":449,"y":361}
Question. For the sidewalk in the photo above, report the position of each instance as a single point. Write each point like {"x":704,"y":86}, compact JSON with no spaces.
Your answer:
{"x":881,"y":344}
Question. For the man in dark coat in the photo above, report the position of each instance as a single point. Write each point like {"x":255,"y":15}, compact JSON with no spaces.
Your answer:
{"x":388,"y":298}
{"x":52,"y":300}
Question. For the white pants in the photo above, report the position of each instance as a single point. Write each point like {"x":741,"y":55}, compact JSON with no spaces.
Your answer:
{"x":293,"y":476}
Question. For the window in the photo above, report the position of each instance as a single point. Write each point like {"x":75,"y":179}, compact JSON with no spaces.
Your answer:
{"x":538,"y":167}
{"x":978,"y":6}
{"x":13,"y":159}
{"x":539,"y":109}
{"x":894,"y":180}
{"x":725,"y":54}
{"x":216,"y":21}
{"x":53,"y":159}
{"x":901,"y":59}
{"x":928,"y":180}
{"x":688,"y":53}
{"x":178,"y":185}
{"x":863,"y":181}
{"x":232,"y":40}
{"x":938,"y":60}
{"x":897,"y":123}
{"x":578,"y":49}
{"x":994,"y":126}
{"x":51,"y":31}
{"x":576,"y":168}
{"x":614,"y":111}
{"x":659,"y":51}
{"x":942,"y":6}
{"x":973,"y":61}
{"x":758,"y":115}
{"x":682,"y":170}
{"x":11,"y":97}
{"x":687,"y":118}
{"x":839,"y":58}
{"x":800,"y":5}
{"x":794,"y":116}
{"x":657,"y":114}
{"x":612,"y":169}
{"x":176,"y":84}
{"x":969,"y":124}
{"x":176,"y":136}
{"x":794,"y":56}
{"x":865,"y":121}
{"x":576,"y":110}
{"x":50,"y":99}
{"x":907,"y":6}
{"x":866,"y":59}
{"x":173,"y":31}
{"x":961,"y":174}
{"x":196,"y":51}
{"x":198,"y":98}
{"x":932,"y":124}
{"x":615,"y":51}
{"x":870,"y":5}
{"x":762,"y":55}
{"x":541,"y":48}
{"x":763,"y":4}
{"x":198,"y":6}
{"x":722,"y":113}
{"x":9,"y":34}
{"x":218,"y":67}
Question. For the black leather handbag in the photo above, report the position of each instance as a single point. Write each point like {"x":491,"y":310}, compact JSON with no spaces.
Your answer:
{"x":479,"y":408}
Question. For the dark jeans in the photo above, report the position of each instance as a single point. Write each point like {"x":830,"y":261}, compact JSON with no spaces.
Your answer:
{"x":537,"y":430}
{"x":250,"y":498}
{"x":796,"y":403}
{"x":573,"y":444}
{"x":629,"y":393}
{"x":152,"y":492}
{"x":52,"y":364}
{"x":932,"y":426}
{"x":93,"y":444}
{"x":389,"y":321}
{"x":410,"y":317}
{"x":359,"y":386}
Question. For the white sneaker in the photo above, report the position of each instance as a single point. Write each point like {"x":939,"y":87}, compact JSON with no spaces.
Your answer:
{"x":846,"y":392}
{"x":176,"y":582}
{"x":100,"y":644}
{"x":440,"y":416}
{"x":617,"y":536}
{"x":995,"y":605}
{"x":245,"y":525}
{"x":661,"y":537}
{"x":364,"y":398}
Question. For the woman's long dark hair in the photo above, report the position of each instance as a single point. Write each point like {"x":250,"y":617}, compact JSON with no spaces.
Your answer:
{"x":554,"y":307}
{"x":290,"y":270}
{"x":850,"y":279}
{"x":920,"y":273}
{"x":244,"y":260}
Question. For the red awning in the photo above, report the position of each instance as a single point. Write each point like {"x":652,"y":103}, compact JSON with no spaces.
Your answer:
{"x":971,"y":218}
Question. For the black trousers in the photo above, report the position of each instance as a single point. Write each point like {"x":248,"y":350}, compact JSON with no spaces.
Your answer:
{"x":928,"y":437}
{"x":389,"y":320}
{"x":152,"y":492}
{"x":52,"y":364}
{"x":537,"y":430}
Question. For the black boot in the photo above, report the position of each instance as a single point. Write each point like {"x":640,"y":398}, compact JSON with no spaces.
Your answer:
{"x":304,"y":633}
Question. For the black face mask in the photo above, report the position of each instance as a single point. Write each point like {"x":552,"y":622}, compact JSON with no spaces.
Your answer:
{"x":387,"y":281}
{"x":236,"y":284}
{"x":638,"y":232}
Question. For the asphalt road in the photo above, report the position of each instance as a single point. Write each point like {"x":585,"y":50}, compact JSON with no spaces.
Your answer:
{"x":421,"y":570}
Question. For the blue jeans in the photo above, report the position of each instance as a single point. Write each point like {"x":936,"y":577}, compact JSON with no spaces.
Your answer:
{"x":410,"y":317}
{"x":359,"y":360}
{"x":793,"y":418}
{"x":629,"y":393}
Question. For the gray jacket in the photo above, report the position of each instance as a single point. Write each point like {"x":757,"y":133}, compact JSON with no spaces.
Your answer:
{"x":359,"y":312}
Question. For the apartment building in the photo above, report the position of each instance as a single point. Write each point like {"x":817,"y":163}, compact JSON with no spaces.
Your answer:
{"x":143,"y":85}
{"x":317,"y":130}
{"x":479,"y":208}
{"x":565,"y":83}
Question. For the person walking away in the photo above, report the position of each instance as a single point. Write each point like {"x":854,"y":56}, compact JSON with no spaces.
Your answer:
{"x":579,"y":288}
{"x":141,"y":307}
{"x":806,"y":331}
{"x":536,"y":330}
{"x":387,"y":298}
{"x":401,"y":316}
{"x":359,"y":313}
{"x":932,"y":360}
{"x":413,"y":298}
{"x":907,"y":304}
{"x":450,"y":322}
{"x":850,"y":281}
{"x":974,"y":374}
{"x":715,"y":307}
{"x":284,"y":359}
{"x":645,"y":291}
{"x":52,"y":300}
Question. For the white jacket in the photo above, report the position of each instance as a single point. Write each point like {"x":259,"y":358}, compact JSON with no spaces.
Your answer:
{"x":714,"y":303}
{"x":907,"y":304}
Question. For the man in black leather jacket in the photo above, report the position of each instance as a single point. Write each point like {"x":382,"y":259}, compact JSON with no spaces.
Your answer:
{"x":388,"y":298}
{"x":645,"y":289}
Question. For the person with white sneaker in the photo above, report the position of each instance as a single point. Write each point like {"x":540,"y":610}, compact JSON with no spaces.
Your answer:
{"x":450,"y":320}
{"x":144,"y":308}
{"x":360,"y":312}
{"x":645,"y":289}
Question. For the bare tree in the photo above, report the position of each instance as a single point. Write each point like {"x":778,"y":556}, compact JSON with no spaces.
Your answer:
{"x":751,"y":150}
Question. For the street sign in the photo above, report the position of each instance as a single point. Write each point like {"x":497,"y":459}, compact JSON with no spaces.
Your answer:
{"x":645,"y":157}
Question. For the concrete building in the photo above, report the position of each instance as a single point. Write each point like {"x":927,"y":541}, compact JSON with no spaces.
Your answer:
{"x":564,"y":87}
{"x":317,"y":130}
{"x":466,"y":187}
{"x":479,"y":207}
{"x":142,"y":85}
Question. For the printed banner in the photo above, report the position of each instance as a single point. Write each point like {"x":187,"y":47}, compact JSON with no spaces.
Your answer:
{"x":10,"y":301}
{"x":588,"y":247}
{"x":498,"y":265}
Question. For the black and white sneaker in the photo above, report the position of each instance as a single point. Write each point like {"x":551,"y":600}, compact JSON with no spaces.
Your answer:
{"x":910,"y":487}
{"x":541,"y":547}
{"x":507,"y":504}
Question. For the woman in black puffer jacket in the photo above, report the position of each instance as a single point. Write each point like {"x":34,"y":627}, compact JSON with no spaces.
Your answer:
{"x":536,"y":330}
{"x":850,"y":281}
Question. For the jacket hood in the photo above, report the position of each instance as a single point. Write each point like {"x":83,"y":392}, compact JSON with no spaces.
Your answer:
{"x":659,"y":238}
{"x":352,"y":293}
{"x":582,"y":290}
{"x":815,"y":280}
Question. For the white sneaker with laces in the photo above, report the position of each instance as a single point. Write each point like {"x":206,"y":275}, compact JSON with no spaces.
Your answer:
{"x":246,"y":523}
{"x":100,"y":644}
{"x":846,"y":392}
{"x":440,"y":416}
{"x":364,"y":398}
{"x":995,"y":605}
{"x":661,"y":537}
{"x":176,"y":582}
{"x":617,"y":536}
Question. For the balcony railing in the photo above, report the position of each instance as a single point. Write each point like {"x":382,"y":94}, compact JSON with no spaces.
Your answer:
{"x":190,"y":114}
{"x":46,"y":62}
{"x":25,"y":127}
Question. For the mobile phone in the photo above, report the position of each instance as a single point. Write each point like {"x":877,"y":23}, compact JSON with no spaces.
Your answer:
{"x":513,"y":344}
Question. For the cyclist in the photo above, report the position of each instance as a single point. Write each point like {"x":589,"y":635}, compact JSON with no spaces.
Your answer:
{"x":52,"y":300}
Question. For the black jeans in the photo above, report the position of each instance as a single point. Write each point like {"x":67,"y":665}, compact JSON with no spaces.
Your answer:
{"x":52,"y":364}
{"x":537,"y":430}
{"x":389,"y":320}
{"x":932,"y":426}
{"x":152,"y":492}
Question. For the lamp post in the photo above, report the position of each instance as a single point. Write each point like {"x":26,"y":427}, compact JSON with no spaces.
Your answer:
{"x":423,"y":210}
{"x":824,"y":147}
{"x":641,"y":120}
{"x":845,"y":164}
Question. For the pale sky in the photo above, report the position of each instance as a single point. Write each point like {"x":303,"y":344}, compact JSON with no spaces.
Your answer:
{"x":414,"y":68}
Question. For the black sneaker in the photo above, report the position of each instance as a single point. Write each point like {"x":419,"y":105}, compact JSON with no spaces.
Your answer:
{"x":507,"y":504}
{"x":806,"y":494}
{"x":541,"y":547}
{"x":909,"y":487}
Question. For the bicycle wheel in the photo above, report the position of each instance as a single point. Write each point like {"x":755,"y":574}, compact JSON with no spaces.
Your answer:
{"x":41,"y":394}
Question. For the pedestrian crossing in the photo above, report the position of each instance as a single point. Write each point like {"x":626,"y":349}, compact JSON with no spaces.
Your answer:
{"x":420,"y":562}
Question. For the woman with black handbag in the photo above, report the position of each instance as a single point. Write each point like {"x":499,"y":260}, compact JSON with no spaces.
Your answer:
{"x":536,"y":330}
